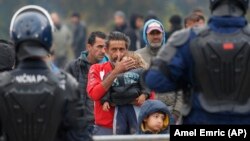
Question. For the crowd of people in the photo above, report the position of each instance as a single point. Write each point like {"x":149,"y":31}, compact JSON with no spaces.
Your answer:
{"x":62,"y":84}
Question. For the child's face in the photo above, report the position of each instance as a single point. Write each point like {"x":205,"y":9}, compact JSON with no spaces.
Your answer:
{"x":154,"y":122}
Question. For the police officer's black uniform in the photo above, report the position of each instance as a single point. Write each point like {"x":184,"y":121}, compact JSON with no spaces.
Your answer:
{"x":36,"y":104}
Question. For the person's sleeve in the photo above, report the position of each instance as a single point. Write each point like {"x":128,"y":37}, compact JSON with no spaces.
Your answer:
{"x":106,"y":98}
{"x":178,"y":103}
{"x":95,"y":88}
{"x":163,"y":75}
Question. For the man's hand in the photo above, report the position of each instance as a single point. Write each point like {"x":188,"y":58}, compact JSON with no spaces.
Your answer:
{"x":120,"y":67}
{"x":105,"y":106}
{"x":124,"y":65}
{"x":141,"y":99}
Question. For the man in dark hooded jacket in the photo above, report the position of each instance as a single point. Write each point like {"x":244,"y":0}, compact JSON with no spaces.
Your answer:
{"x":79,"y":68}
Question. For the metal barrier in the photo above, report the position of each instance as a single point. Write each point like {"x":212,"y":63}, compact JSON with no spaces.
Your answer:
{"x":154,"y":137}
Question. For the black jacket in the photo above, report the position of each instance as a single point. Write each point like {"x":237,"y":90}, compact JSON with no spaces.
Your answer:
{"x":126,"y":88}
{"x":79,"y":69}
{"x":37,"y":104}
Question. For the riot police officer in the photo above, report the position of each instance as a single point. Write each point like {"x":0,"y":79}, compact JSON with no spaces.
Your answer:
{"x":213,"y":62}
{"x":35,"y":103}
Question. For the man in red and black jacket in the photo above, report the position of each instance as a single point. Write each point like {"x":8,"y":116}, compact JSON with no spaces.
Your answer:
{"x":117,"y":46}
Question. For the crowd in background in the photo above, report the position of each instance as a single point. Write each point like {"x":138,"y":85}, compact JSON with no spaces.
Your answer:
{"x":76,"y":53}
{"x":123,"y":104}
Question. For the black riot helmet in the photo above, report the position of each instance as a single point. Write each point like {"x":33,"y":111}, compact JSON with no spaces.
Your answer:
{"x":243,"y":4}
{"x":31,"y":30}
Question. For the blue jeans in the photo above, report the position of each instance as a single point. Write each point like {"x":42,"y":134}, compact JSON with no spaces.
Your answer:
{"x":99,"y":130}
{"x":125,"y":120}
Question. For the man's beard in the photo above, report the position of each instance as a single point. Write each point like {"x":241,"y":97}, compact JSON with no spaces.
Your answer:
{"x":155,"y":45}
{"x":154,"y":48}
